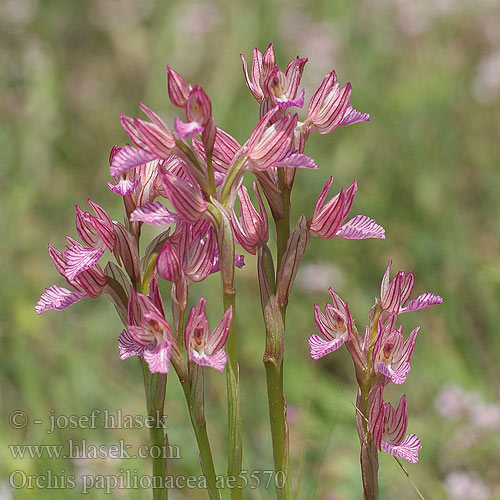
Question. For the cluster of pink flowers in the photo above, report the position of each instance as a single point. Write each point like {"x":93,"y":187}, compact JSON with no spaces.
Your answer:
{"x":163,"y":164}
{"x":189,"y":179}
{"x":381,"y":356}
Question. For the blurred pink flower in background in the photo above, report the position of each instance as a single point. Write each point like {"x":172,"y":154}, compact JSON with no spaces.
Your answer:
{"x":466,"y":486}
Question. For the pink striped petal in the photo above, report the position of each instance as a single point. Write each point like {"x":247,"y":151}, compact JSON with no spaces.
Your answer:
{"x":178,"y":89}
{"x":296,"y":160}
{"x":186,"y":198}
{"x":352,"y":116}
{"x":80,"y":259}
{"x":407,"y":449}
{"x":158,"y":358}
{"x":57,"y":298}
{"x":320,"y":347}
{"x":396,"y":421}
{"x":168,"y":264}
{"x":239,"y":260}
{"x":359,"y":228}
{"x":219,"y":336}
{"x":129,"y":157}
{"x":155,"y":214}
{"x":384,"y":285}
{"x":124,"y":187}
{"x":377,"y":418}
{"x":398,"y":376}
{"x":422,"y":301}
{"x":297,"y":103}
{"x":187,"y":129}
{"x":217,"y":360}
{"x":128,"y":345}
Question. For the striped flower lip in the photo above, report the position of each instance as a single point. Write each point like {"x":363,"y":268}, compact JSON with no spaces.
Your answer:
{"x":392,"y":353}
{"x":148,"y":335}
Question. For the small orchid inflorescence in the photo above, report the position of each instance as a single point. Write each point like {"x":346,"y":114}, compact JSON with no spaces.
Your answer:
{"x":381,"y":356}
{"x":188,"y":180}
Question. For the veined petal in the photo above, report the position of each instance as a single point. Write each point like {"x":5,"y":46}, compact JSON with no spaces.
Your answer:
{"x":168,"y":264}
{"x":352,"y":116}
{"x":384,"y":286}
{"x":359,"y":228}
{"x":187,"y":129}
{"x":128,"y":345}
{"x":377,"y":418}
{"x":407,"y":288}
{"x":254,"y":83}
{"x":124,"y":187}
{"x":178,"y":89}
{"x":298,"y":102}
{"x":129,"y":157}
{"x":185,"y":197}
{"x":422,"y":301}
{"x":80,"y":259}
{"x":320,"y":347}
{"x":158,"y":358}
{"x":57,"y":298}
{"x":398,"y":375}
{"x":396,"y":421}
{"x":407,"y":449}
{"x":155,"y":214}
{"x":296,"y":160}
{"x":217,"y":360}
{"x":221,"y":331}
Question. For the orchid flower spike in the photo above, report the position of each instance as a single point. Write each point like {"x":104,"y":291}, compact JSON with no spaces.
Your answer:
{"x":205,"y":348}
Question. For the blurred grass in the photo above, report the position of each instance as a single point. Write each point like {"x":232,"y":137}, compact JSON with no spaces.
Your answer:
{"x":428,"y":170}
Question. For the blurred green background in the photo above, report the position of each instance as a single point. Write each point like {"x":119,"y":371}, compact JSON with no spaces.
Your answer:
{"x":427,"y":164}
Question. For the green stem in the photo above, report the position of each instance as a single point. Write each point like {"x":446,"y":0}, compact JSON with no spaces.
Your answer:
{"x":225,"y":243}
{"x":200,"y":431}
{"x":273,"y":362}
{"x":279,"y":428}
{"x":155,"y":387}
{"x":369,"y":470}
{"x":233,"y":400}
{"x":283,"y":223}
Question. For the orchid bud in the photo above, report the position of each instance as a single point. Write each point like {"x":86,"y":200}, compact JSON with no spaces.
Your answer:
{"x":126,"y":251}
{"x":295,"y":248}
{"x":186,"y":197}
{"x":168,"y":265}
{"x":269,"y":143}
{"x":250,"y":228}
{"x":178,"y":89}
{"x":152,"y":137}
